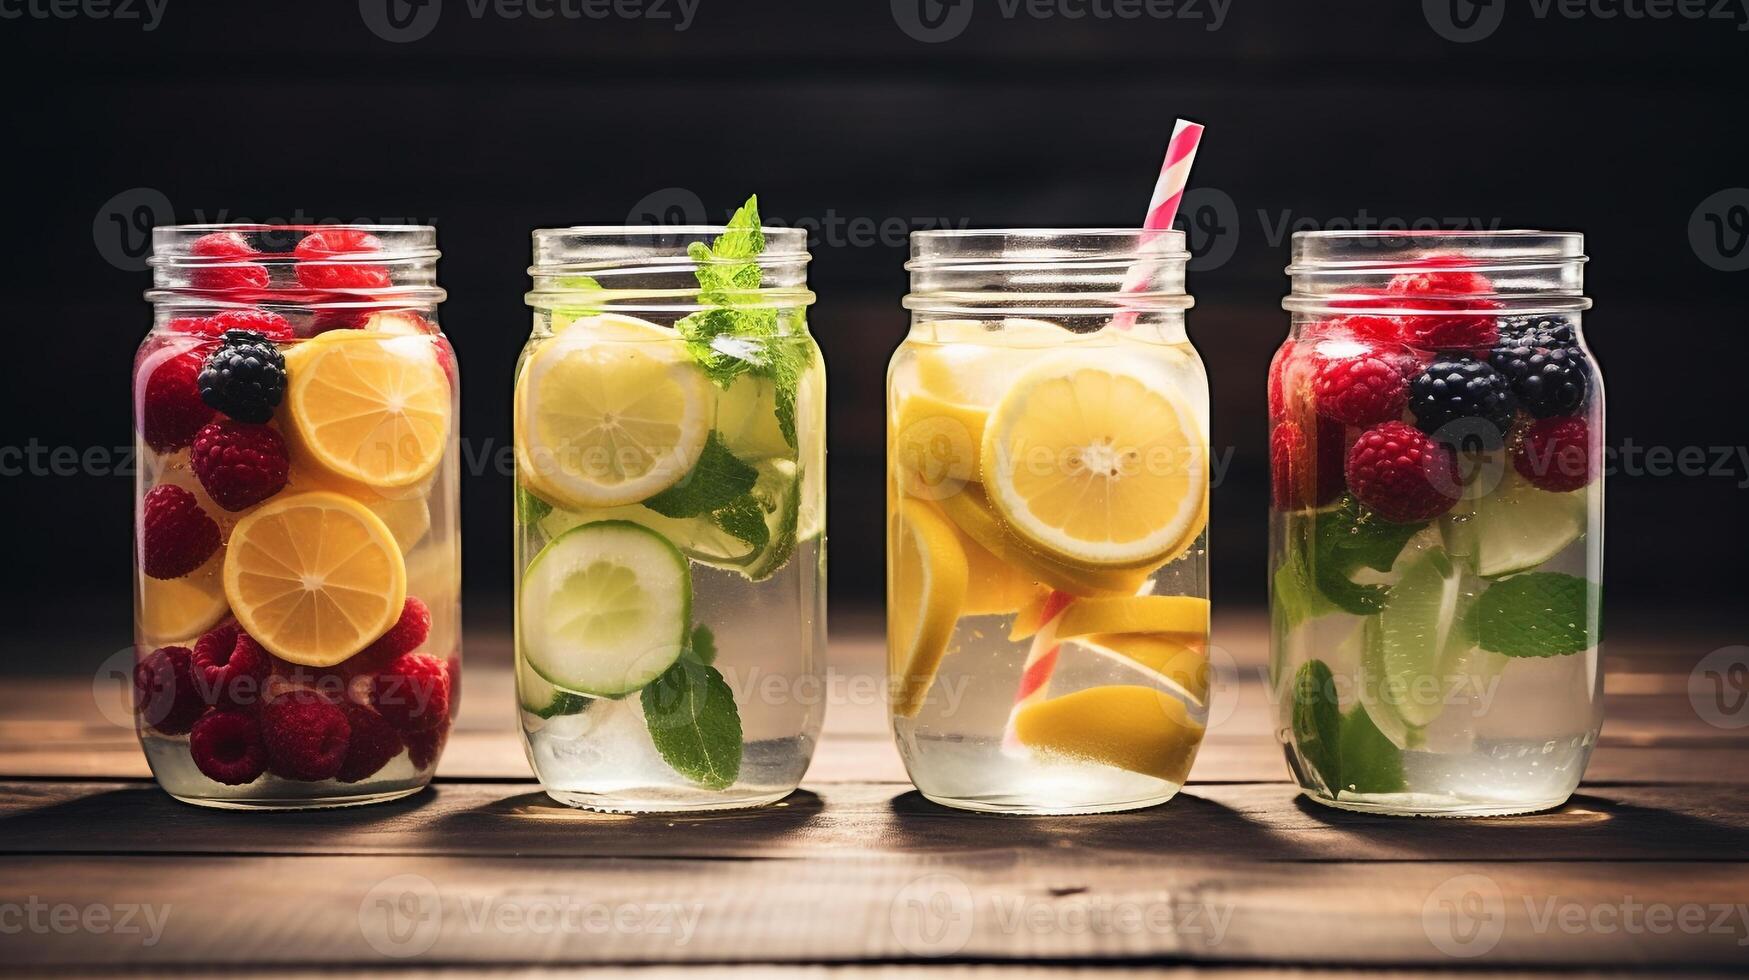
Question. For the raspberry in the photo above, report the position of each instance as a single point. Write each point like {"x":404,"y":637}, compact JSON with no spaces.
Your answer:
{"x":226,"y":245}
{"x":317,"y":250}
{"x":1401,"y":474}
{"x":1360,"y":326}
{"x":374,"y":742}
{"x":176,"y":536}
{"x":1296,"y":481}
{"x":166,"y":696}
{"x":231,"y":667}
{"x":306,"y":736}
{"x":424,"y":747}
{"x":1439,"y":283}
{"x":227,"y":748}
{"x":1454,"y":390}
{"x":1359,"y":390}
{"x":1446,"y":289}
{"x":1279,"y":366}
{"x":407,"y":635}
{"x":239,"y":465}
{"x":244,"y":378}
{"x":267,"y":323}
{"x":171,"y":411}
{"x":1557,"y":455}
{"x":413,"y":692}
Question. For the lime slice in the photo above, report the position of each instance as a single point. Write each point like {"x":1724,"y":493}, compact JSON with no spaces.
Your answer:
{"x":1516,"y":527}
{"x":539,"y":697}
{"x":1401,"y":666}
{"x":605,"y":608}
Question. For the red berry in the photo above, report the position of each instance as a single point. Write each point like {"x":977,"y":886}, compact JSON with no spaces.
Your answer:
{"x":407,"y":635}
{"x":1359,"y":389}
{"x":1440,"y":283}
{"x":239,"y":465}
{"x":236,"y":275}
{"x":306,"y":736}
{"x":171,"y":411}
{"x":413,"y":692}
{"x":176,"y":536}
{"x":1557,"y":454}
{"x":1361,"y":326}
{"x":1278,"y":380}
{"x":374,"y":742}
{"x":316,"y":269}
{"x":166,"y":695}
{"x":231,"y":667}
{"x":1447,"y":289}
{"x":227,"y":748}
{"x":424,"y":747}
{"x":1303,"y":475}
{"x":254,"y":319}
{"x":1402,"y":474}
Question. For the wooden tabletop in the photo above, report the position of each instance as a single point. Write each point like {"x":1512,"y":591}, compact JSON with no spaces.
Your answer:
{"x":1647,"y":868}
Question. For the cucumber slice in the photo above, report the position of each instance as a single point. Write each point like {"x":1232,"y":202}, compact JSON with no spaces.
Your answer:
{"x":605,"y":608}
{"x":1515,"y":528}
{"x":696,"y":537}
{"x":539,"y":697}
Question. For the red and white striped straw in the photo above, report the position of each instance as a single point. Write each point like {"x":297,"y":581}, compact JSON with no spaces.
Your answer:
{"x":1041,"y":662}
{"x":1162,"y":207}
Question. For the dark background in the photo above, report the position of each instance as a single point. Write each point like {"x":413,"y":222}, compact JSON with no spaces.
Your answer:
{"x":1632,"y":131}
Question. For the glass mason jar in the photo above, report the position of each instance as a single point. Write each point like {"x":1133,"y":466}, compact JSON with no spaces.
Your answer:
{"x":297,"y":603}
{"x":670,"y":519}
{"x":1436,"y":534}
{"x":1047,"y":492}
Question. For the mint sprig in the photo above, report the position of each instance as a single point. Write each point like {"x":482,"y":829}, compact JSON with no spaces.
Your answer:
{"x":715,"y":481}
{"x":1538,"y":614}
{"x":692,"y":717}
{"x":1326,"y":550}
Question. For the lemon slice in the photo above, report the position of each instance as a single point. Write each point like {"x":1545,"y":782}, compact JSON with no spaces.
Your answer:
{"x":1135,"y":614}
{"x":1123,"y":725}
{"x":972,"y":361}
{"x":176,"y":609}
{"x":406,"y":510}
{"x":971,"y":513}
{"x":993,"y":586}
{"x":925,"y":595}
{"x":369,"y":407}
{"x":314,"y":577}
{"x":1097,"y":460}
{"x":1032,"y":614}
{"x":606,"y":419}
{"x":1177,"y":660}
{"x":934,"y":444}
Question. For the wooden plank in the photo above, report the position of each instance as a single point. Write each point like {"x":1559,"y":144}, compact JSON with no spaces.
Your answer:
{"x":999,"y":905}
{"x":1258,"y":822}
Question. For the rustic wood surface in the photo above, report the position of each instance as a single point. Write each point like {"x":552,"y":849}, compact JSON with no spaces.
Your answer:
{"x":1647,"y":868}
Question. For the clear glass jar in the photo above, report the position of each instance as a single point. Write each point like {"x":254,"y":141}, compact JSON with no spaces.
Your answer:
{"x":1437,"y":522}
{"x":297,"y":603}
{"x":1047,"y":494}
{"x":670,"y":519}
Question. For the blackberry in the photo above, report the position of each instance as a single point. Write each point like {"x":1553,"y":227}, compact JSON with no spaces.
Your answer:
{"x":244,"y":378}
{"x":1454,"y":390}
{"x":1548,"y":369}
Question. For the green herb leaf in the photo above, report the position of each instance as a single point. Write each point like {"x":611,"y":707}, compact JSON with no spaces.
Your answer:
{"x":716,"y":480}
{"x":744,"y":519}
{"x":1539,"y":614}
{"x":530,"y":509}
{"x":1370,"y":763}
{"x":1344,"y":542}
{"x":694,"y":723}
{"x":1317,"y":722}
{"x":702,"y":647}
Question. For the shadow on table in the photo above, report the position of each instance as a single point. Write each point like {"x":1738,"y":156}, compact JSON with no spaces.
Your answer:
{"x":147,"y":818}
{"x":1587,"y":825}
{"x":535,"y":822}
{"x":1188,"y":824}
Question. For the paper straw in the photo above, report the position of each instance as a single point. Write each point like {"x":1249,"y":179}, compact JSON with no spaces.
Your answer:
{"x":1041,"y":662}
{"x":1162,"y":209}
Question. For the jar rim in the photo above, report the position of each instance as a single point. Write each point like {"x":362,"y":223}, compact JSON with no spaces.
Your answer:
{"x":1510,"y":272}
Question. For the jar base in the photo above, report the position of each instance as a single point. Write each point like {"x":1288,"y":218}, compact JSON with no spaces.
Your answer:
{"x":616,"y":803}
{"x":1410,"y":805}
{"x":285,"y":803}
{"x":1026,"y":808}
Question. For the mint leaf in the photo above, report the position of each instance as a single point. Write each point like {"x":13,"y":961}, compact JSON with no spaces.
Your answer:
{"x":1343,"y":542}
{"x":702,"y":647}
{"x":1539,"y":614}
{"x":694,"y":723}
{"x":716,"y":480}
{"x":783,"y":535}
{"x":1370,"y":763}
{"x":744,"y":519}
{"x":580,"y":284}
{"x":530,"y":509}
{"x":1317,"y":722}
